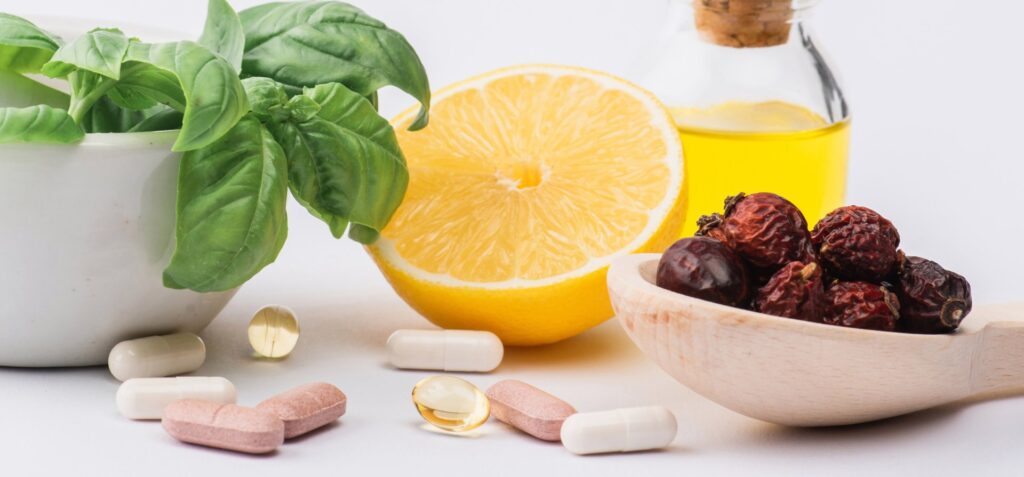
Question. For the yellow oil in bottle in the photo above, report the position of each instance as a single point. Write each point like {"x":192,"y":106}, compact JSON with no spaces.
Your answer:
{"x":762,"y":147}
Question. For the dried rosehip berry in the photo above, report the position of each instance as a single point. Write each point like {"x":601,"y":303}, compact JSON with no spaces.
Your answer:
{"x":795,"y":291}
{"x":933,"y":299}
{"x":861,"y":305}
{"x":704,"y":268}
{"x":765,"y":229}
{"x":710,"y":226}
{"x":856,"y":243}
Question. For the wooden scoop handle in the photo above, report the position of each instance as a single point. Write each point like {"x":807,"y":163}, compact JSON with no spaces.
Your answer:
{"x":999,"y":355}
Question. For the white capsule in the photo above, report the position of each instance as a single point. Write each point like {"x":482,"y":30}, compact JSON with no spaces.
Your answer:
{"x":145,"y":398}
{"x":619,"y":430}
{"x":445,"y":350}
{"x":157,"y":356}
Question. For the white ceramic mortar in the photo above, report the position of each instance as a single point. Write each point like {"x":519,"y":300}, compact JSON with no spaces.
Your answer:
{"x":85,"y":233}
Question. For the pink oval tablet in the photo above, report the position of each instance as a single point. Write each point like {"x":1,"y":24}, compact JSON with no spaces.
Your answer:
{"x":224,"y":426}
{"x":529,"y":409}
{"x":306,"y":407}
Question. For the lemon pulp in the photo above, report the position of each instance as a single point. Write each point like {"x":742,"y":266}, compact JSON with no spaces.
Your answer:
{"x":525,"y":185}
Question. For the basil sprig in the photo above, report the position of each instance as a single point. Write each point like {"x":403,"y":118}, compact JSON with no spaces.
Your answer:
{"x":304,"y":120}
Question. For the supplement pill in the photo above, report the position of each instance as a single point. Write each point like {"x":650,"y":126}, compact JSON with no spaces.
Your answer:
{"x":445,"y":350}
{"x":157,"y":356}
{"x":619,"y":430}
{"x":306,"y":407}
{"x":529,"y":409}
{"x":273,"y":331}
{"x":146,"y":398}
{"x":451,"y":403}
{"x":224,"y":426}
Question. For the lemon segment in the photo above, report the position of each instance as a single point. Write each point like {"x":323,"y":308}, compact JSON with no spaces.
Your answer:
{"x":527,"y":182}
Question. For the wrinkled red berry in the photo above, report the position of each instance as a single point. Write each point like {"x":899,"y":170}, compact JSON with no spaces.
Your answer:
{"x":710,"y":226}
{"x":704,"y":268}
{"x":765,"y":229}
{"x":795,"y":291}
{"x":861,"y":305}
{"x":933,"y":299}
{"x":856,"y":243}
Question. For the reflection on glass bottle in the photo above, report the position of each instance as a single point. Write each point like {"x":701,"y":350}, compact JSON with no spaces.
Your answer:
{"x":757,"y":105}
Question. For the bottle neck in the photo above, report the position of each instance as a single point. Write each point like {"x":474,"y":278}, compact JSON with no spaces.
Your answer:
{"x":688,"y":71}
{"x":742,"y":23}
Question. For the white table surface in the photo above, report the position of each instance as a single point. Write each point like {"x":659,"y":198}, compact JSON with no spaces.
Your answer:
{"x":936,"y":98}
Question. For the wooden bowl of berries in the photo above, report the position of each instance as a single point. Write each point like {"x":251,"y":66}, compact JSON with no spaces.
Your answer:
{"x":813,"y":327}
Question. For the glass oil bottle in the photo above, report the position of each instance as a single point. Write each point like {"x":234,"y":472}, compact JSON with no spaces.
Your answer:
{"x":757,"y":104}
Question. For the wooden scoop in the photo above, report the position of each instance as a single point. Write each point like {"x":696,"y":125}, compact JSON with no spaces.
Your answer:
{"x":799,"y":373}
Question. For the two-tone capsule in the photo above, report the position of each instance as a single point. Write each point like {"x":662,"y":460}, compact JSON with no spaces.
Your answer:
{"x":157,"y":356}
{"x":146,"y":398}
{"x":445,"y":350}
{"x":619,"y":430}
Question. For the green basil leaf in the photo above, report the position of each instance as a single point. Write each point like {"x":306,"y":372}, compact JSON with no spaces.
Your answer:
{"x":340,"y":106}
{"x":143,"y":85}
{"x":302,"y":108}
{"x":266,"y":97}
{"x":24,"y":47}
{"x":159,"y":118}
{"x":92,"y":64}
{"x":374,"y":100}
{"x":99,"y":51}
{"x":309,"y":43}
{"x":231,"y":210}
{"x":315,"y":176}
{"x":214,"y":98}
{"x":105,"y":116}
{"x":344,"y":164}
{"x":223,"y":34}
{"x":270,"y":101}
{"x":131,"y":98}
{"x":41,"y":124}
{"x":86,"y":89}
{"x":17,"y":90}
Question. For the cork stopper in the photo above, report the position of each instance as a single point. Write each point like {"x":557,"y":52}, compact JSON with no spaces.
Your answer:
{"x":743,"y":23}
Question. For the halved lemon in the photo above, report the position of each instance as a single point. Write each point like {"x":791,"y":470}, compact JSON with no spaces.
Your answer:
{"x":528,"y":181}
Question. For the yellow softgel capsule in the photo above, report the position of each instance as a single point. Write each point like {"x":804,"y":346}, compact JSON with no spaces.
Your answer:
{"x":273,"y":331}
{"x":451,"y":403}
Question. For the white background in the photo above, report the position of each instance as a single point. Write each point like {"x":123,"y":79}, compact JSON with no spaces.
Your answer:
{"x":936,"y":91}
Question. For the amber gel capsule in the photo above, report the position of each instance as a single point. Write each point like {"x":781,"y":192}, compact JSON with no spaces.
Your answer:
{"x":274,"y":331}
{"x":157,"y":356}
{"x":445,"y":350}
{"x":451,"y":403}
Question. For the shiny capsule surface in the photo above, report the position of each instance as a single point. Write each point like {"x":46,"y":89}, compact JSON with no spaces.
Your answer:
{"x":146,"y":398}
{"x":157,"y":356}
{"x":619,"y":430}
{"x":274,"y":331}
{"x":445,"y":350}
{"x":451,"y":403}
